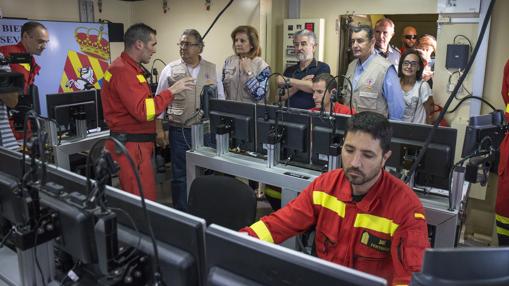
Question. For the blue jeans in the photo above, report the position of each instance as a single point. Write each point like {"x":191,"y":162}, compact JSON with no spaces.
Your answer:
{"x":178,"y":146}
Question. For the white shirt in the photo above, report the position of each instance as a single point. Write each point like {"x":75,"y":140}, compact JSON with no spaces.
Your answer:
{"x":414,"y":102}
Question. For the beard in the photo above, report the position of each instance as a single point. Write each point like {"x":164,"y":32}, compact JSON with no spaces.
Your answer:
{"x":304,"y":57}
{"x":357,"y":177}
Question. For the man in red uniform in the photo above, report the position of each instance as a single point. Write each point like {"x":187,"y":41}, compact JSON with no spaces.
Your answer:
{"x":502,"y":203}
{"x":34,"y":38}
{"x":365,"y":218}
{"x":130,"y":108}
{"x":323,"y":97}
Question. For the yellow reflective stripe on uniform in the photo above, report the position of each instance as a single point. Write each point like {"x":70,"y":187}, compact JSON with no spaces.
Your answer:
{"x":419,"y":215}
{"x":502,"y":219}
{"x":507,"y":106}
{"x":150,"y":108}
{"x":141,"y":78}
{"x":376,"y":223}
{"x":502,"y":231}
{"x":262,"y":231}
{"x":329,"y":202}
{"x":26,"y":66}
{"x":107,"y":76}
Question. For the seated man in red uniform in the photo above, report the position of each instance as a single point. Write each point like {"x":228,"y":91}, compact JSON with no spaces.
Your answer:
{"x":502,"y":203}
{"x":130,"y":108}
{"x":322,"y":97}
{"x":364,"y":217}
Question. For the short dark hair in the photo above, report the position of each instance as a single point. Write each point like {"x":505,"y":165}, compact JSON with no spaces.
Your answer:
{"x":373,"y":123}
{"x":194,"y":33}
{"x":366,"y":28}
{"x":330,"y":82}
{"x":28,"y":27}
{"x":137,"y":32}
{"x":253,"y":37}
{"x":418,"y":75}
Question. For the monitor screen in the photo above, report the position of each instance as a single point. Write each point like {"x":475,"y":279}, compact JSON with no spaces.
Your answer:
{"x":434,"y":169}
{"x":322,"y":137}
{"x":293,"y":126}
{"x":234,"y":258}
{"x":181,"y":237}
{"x":239,"y":116}
{"x":64,"y":108}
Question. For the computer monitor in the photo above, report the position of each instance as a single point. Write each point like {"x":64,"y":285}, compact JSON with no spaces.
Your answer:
{"x":322,"y":137}
{"x":239,"y":116}
{"x":434,"y":169}
{"x":180,"y":237}
{"x":65,"y":108}
{"x":464,"y":266}
{"x":293,"y":126}
{"x":234,"y":258}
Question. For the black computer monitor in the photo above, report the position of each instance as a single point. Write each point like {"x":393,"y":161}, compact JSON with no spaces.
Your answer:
{"x":464,"y":266}
{"x":239,"y":116}
{"x":237,"y":259}
{"x":180,"y":237}
{"x":434,"y":169}
{"x":322,"y":137}
{"x":293,"y":127}
{"x":64,"y":108}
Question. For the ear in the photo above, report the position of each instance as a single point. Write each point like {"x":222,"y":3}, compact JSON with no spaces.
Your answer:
{"x":386,"y":157}
{"x":139,"y":44}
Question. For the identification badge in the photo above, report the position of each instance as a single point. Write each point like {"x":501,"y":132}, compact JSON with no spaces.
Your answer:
{"x":375,"y":242}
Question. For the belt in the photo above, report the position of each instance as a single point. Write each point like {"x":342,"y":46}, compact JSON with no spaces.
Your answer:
{"x":128,"y":137}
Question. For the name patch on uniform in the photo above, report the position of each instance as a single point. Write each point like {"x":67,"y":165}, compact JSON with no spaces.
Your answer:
{"x":375,"y":242}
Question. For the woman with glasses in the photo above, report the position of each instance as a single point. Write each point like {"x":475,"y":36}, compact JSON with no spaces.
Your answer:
{"x":245,"y":73}
{"x":416,"y":92}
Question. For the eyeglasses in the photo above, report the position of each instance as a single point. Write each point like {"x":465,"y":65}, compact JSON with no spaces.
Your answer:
{"x":187,"y":44}
{"x":410,"y":64}
{"x":411,"y":37}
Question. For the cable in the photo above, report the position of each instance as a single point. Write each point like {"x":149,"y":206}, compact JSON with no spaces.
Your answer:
{"x":153,"y":63}
{"x":217,"y":18}
{"x":464,"y":37}
{"x":123,"y":149}
{"x":441,"y":115}
{"x":472,"y":97}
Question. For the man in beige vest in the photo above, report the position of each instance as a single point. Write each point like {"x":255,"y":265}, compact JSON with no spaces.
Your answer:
{"x":374,"y":79}
{"x":184,"y":113}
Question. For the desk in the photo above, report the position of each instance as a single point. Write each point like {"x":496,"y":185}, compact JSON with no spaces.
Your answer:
{"x":436,"y":207}
{"x":75,"y":145}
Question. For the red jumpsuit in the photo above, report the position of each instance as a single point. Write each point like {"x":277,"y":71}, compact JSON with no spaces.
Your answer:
{"x":384,"y":234}
{"x":29,"y":72}
{"x":502,"y":204}
{"x":130,"y":108}
{"x":338,"y":108}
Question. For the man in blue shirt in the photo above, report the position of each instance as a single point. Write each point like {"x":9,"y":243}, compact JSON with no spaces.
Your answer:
{"x":374,"y":80}
{"x":299,"y":76}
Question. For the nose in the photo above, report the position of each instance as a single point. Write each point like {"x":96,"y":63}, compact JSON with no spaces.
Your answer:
{"x":356,"y":159}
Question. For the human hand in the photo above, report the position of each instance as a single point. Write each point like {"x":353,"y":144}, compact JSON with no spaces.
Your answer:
{"x":183,"y":84}
{"x":162,"y":138}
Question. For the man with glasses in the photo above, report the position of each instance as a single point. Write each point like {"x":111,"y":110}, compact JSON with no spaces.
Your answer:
{"x":186,"y":112}
{"x":408,"y":38}
{"x":130,"y":108}
{"x":384,"y":31}
{"x":374,"y":80}
{"x":299,"y":76}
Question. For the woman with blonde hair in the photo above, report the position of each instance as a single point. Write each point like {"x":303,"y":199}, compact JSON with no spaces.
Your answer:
{"x":245,"y":73}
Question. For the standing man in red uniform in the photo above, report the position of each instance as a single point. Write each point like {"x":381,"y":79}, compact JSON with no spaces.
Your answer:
{"x":34,"y":38}
{"x":364,"y":217}
{"x":502,"y":203}
{"x":130,"y":108}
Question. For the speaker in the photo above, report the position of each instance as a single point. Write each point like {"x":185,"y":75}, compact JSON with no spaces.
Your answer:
{"x":116,"y":32}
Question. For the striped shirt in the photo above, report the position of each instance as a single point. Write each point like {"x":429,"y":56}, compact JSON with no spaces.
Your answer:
{"x":7,"y":139}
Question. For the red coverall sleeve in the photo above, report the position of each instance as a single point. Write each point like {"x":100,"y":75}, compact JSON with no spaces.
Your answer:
{"x":294,"y":218}
{"x":505,"y":84}
{"x":408,"y":246}
{"x":136,"y":97}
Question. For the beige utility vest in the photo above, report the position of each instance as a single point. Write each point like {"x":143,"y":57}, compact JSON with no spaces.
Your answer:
{"x":367,"y":95}
{"x":234,"y":80}
{"x":187,"y":112}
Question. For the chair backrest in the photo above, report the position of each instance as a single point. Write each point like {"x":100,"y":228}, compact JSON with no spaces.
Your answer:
{"x":467,"y":266}
{"x":222,"y":200}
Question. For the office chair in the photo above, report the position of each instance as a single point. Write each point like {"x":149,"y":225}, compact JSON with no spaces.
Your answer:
{"x":464,"y":266}
{"x":222,"y":200}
